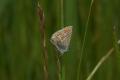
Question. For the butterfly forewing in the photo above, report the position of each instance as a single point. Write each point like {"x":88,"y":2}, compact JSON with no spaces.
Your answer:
{"x":61,"y":39}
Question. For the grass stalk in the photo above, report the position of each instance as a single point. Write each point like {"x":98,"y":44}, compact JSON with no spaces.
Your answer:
{"x":62,"y":13}
{"x":59,"y":63}
{"x":84,"y":39}
{"x":43,"y":41}
{"x":59,"y":67}
{"x":102,"y":60}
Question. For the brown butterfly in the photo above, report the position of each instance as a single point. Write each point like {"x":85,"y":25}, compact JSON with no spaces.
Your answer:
{"x":61,"y":39}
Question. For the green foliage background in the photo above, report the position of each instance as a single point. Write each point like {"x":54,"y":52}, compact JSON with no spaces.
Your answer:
{"x":21,"y":56}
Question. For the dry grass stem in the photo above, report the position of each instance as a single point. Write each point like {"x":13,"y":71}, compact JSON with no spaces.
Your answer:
{"x":100,"y":63}
{"x":43,"y":40}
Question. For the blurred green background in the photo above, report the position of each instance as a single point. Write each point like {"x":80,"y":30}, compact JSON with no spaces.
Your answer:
{"x":21,"y":55}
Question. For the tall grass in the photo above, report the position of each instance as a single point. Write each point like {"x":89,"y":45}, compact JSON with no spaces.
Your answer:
{"x":23,"y":48}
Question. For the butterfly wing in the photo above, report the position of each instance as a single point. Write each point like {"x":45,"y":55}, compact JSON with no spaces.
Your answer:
{"x":61,"y":39}
{"x":66,"y":40}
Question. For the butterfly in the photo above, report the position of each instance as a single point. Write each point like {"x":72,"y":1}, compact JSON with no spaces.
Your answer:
{"x":61,"y":39}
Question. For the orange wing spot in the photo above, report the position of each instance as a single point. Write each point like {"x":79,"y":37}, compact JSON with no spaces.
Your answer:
{"x":66,"y":30}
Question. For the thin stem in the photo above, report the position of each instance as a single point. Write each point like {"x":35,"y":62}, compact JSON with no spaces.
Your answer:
{"x":59,"y":63}
{"x":100,"y":63}
{"x":43,"y":41}
{"x":62,"y":13}
{"x":59,"y":67}
{"x":84,"y":39}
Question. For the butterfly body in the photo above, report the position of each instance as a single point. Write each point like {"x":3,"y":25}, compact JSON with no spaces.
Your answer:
{"x":61,"y":39}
